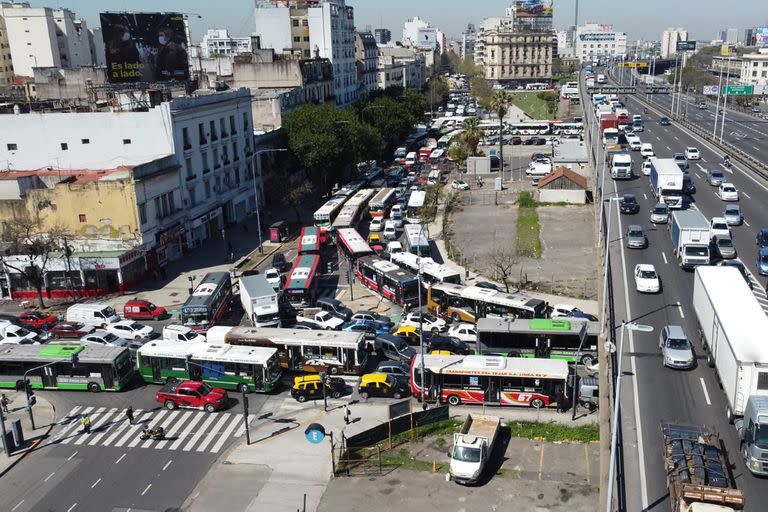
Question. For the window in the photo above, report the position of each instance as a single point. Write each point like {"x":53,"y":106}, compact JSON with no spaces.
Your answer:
{"x":762,"y":380}
{"x":204,"y":158}
{"x":296,"y":39}
{"x":64,"y":146}
{"x":126,"y":141}
{"x":188,"y":165}
{"x":207,"y":185}
{"x":212,"y":124}
{"x":232,"y":125}
{"x":12,"y":147}
{"x":201,"y":134}
{"x":158,"y":211}
{"x":81,"y":217}
{"x":143,"y":213}
{"x":222,"y":127}
{"x":85,"y":141}
{"x":191,"y":192}
{"x":295,"y":22}
{"x":185,"y":137}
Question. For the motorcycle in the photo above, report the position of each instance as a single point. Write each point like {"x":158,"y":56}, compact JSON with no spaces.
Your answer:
{"x":153,"y":433}
{"x":727,"y":163}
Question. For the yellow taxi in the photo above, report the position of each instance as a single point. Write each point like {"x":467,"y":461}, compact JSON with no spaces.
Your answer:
{"x":409,"y":333}
{"x":310,"y":387}
{"x":374,"y":238}
{"x":381,"y":384}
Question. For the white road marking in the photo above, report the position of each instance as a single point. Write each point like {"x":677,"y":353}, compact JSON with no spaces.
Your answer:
{"x":665,"y":258}
{"x":704,"y":387}
{"x":17,"y":505}
{"x":225,"y":435}
{"x":645,"y":196}
{"x":170,"y":433}
{"x":197,"y":435}
{"x":49,"y":477}
{"x":680,"y":309}
{"x":138,"y":421}
{"x":70,"y":457}
{"x":746,"y":195}
{"x":72,"y":507}
{"x":756,"y":148}
{"x":95,"y":483}
{"x":703,"y":159}
{"x":122,"y":426}
{"x":121,"y":458}
{"x":669,"y":148}
{"x":186,"y":431}
{"x":212,"y":435}
{"x":99,"y":424}
{"x":675,"y":136}
{"x":657,"y":138}
{"x":151,"y":424}
{"x":746,"y":223}
{"x":164,"y":426}
{"x":146,"y":489}
{"x":167,"y":464}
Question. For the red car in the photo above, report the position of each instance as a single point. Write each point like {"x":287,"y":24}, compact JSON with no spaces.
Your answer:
{"x":71,"y":330}
{"x":193,"y":395}
{"x":143,"y":310}
{"x":37,"y":319}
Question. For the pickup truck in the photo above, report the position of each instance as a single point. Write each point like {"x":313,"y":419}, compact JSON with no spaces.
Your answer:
{"x":192,"y":395}
{"x":323,"y":319}
{"x":472,"y":447}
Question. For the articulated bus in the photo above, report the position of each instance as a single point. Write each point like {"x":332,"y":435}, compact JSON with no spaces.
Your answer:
{"x":309,"y":240}
{"x":431,"y":271}
{"x":556,"y":338}
{"x":415,"y":239}
{"x":415,"y":204}
{"x":244,"y":369}
{"x":388,"y":280}
{"x":352,"y":244}
{"x":301,"y":285}
{"x":382,"y":203}
{"x":468,"y":303}
{"x":354,"y":210}
{"x":490,"y":380}
{"x":563,"y":128}
{"x":302,"y":350}
{"x":99,"y":368}
{"x":327,"y":213}
{"x":530,"y":128}
{"x":209,"y":302}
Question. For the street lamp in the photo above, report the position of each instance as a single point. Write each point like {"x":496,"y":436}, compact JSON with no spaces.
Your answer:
{"x":614,"y":426}
{"x":421,"y":327}
{"x":256,"y":192}
{"x":606,"y":244}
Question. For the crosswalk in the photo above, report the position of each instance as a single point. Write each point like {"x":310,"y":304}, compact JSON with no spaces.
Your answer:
{"x":188,"y":431}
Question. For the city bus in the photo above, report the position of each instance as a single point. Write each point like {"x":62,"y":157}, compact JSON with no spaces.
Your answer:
{"x":309,"y":240}
{"x":563,"y":128}
{"x":300,"y":289}
{"x":424,"y":153}
{"x":395,"y":284}
{"x":244,"y":369}
{"x":431,"y":271}
{"x":490,"y":380}
{"x":445,"y":141}
{"x":209,"y":301}
{"x":556,"y":338}
{"x":468,"y":303}
{"x":352,"y":244}
{"x":303,"y":350}
{"x":415,"y":204}
{"x":327,"y":213}
{"x":98,"y":368}
{"x":354,"y":210}
{"x":529,"y":128}
{"x":382,"y":203}
{"x":415,"y":240}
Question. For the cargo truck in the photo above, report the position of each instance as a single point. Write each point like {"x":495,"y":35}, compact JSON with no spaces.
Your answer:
{"x":472,"y":447}
{"x":608,"y":121}
{"x":259,"y":300}
{"x":698,"y":477}
{"x":621,"y":166}
{"x":732,"y":327}
{"x":689,"y":231}
{"x":753,"y":434}
{"x":667,"y":182}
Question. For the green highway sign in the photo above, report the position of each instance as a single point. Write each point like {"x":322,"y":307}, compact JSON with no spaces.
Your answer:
{"x":738,"y":89}
{"x":685,"y":45}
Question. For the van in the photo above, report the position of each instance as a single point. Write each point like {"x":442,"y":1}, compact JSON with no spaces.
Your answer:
{"x":98,"y":315}
{"x":394,"y":348}
{"x":390,"y":231}
{"x":394,"y":247}
{"x":182,"y":333}
{"x":143,"y":310}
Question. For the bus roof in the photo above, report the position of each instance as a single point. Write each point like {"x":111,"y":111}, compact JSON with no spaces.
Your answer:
{"x":449,"y":288}
{"x":309,"y":239}
{"x":303,"y":270}
{"x":293,"y":337}
{"x":388,"y":268}
{"x":360,"y":197}
{"x":47,"y":353}
{"x":206,"y":351}
{"x":537,"y":325}
{"x":211,"y":282}
{"x":353,"y":241}
{"x":330,"y":206}
{"x":382,"y":197}
{"x":517,"y":300}
{"x":494,"y":366}
{"x":417,"y":199}
{"x":416,"y":233}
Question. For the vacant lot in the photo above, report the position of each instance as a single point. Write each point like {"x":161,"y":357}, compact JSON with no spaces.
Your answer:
{"x":533,"y":105}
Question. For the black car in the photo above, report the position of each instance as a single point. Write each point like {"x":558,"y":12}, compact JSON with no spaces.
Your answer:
{"x":664,"y":121}
{"x":628,"y":204}
{"x":279,"y":262}
{"x":453,"y":345}
{"x":334,"y":307}
{"x":688,"y":186}
{"x":762,"y":238}
{"x":541,"y":141}
{"x":516,"y":141}
{"x":529,"y":142}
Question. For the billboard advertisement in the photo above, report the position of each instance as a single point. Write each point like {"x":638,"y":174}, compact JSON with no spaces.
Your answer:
{"x":533,"y":8}
{"x":761,"y":36}
{"x":145,"y":47}
{"x":427,"y":38}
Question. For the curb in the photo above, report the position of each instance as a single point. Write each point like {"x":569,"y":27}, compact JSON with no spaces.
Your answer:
{"x":32,"y":447}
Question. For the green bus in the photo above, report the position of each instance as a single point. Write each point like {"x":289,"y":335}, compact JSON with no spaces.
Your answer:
{"x":556,"y":338}
{"x":234,"y":368}
{"x":99,"y":368}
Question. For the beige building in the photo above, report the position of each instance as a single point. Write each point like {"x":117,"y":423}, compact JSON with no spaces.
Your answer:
{"x":512,"y":55}
{"x":6,"y":64}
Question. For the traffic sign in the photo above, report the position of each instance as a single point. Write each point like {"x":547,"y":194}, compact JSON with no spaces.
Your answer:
{"x":315,"y":433}
{"x":710,"y":90}
{"x":611,"y":89}
{"x":685,"y":45}
{"x":738,"y":89}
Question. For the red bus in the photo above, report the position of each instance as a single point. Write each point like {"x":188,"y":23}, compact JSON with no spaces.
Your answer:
{"x":310,"y":240}
{"x":388,"y":280}
{"x":352,"y":244}
{"x":491,"y":380}
{"x":301,"y":286}
{"x":424,"y":154}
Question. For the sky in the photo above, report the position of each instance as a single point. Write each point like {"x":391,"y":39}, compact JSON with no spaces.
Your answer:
{"x":643,"y":19}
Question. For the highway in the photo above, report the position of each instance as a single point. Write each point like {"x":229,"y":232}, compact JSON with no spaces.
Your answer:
{"x":650,"y":392}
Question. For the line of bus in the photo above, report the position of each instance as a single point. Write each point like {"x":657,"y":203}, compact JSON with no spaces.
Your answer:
{"x":209,"y":301}
{"x":333,"y":352}
{"x":415,"y":204}
{"x":352,"y":244}
{"x":300,"y":289}
{"x":382,"y":203}
{"x":354,"y":209}
{"x":244,"y":369}
{"x":415,"y":240}
{"x":99,"y":368}
{"x":490,"y":380}
{"x":395,"y":284}
{"x":555,"y":338}
{"x":309,"y":240}
{"x":431,"y":271}
{"x":491,"y":128}
{"x":445,"y":141}
{"x":468,"y":303}
{"x":327,"y":213}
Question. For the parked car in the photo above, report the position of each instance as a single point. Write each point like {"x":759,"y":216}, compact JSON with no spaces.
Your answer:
{"x":104,"y":338}
{"x":635,"y":237}
{"x":464,"y":332}
{"x":715,"y":177}
{"x":143,"y":310}
{"x":628,"y":204}
{"x":429,"y":321}
{"x":732,"y":215}
{"x":383,"y":385}
{"x":728,"y":192}
{"x":71,"y":330}
{"x":646,"y":278}
{"x":459,"y":185}
{"x":676,"y":350}
{"x":722,"y":247}
{"x":190,"y":394}
{"x":130,"y":329}
{"x":310,"y":387}
{"x":37,"y":319}
{"x":516,"y":141}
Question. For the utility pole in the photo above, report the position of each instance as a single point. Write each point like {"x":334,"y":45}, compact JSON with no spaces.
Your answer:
{"x":245,"y":418}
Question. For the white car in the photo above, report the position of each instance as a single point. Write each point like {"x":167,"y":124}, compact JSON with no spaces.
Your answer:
{"x":103,"y":338}
{"x":565,"y":311}
{"x":719,"y":226}
{"x":635,"y":144}
{"x":692,"y":153}
{"x":647,"y":168}
{"x":377,"y":224}
{"x":273,"y":277}
{"x":430,"y":322}
{"x":646,"y":150}
{"x":464,"y":332}
{"x":539,"y":167}
{"x":646,"y":278}
{"x":459,"y":185}
{"x":130,"y":330}
{"x":728,"y":192}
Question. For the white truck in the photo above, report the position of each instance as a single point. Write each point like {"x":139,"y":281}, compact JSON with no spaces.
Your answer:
{"x":182,"y":334}
{"x":321,"y":318}
{"x":12,"y":333}
{"x":689,"y":231}
{"x":732,"y":326}
{"x":621,"y":166}
{"x":667,"y":182}
{"x":472,"y":447}
{"x":259,"y":300}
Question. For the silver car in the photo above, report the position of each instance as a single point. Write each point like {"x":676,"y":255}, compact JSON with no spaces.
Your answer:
{"x":635,"y":237}
{"x":732,"y":215}
{"x":723,"y":247}
{"x":676,"y":350}
{"x":715,"y":177}
{"x":660,"y":213}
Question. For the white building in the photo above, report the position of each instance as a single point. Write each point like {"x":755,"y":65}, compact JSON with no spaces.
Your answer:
{"x":419,"y":34}
{"x":401,"y":66}
{"x":488,"y":24}
{"x":754,"y":70}
{"x":219,"y":42}
{"x":564,"y":45}
{"x":669,"y":39}
{"x":732,"y":36}
{"x":598,"y":40}
{"x":45,"y":37}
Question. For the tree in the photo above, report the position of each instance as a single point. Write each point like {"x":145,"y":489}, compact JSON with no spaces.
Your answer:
{"x":297,"y":195}
{"x":502,"y":262}
{"x":457,"y":152}
{"x":500,"y":104}
{"x":481,"y":89}
{"x":436,"y":91}
{"x":471,"y":134}
{"x":34,"y":250}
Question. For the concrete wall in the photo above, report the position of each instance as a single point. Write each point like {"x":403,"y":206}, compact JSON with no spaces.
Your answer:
{"x":562,"y":196}
{"x":478,"y":164}
{"x":273,"y":25}
{"x":277,"y":74}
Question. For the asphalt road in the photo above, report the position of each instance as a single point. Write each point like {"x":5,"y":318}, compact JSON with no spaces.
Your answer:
{"x":652,"y":393}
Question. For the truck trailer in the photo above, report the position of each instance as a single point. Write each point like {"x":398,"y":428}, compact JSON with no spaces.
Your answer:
{"x":259,"y":300}
{"x":667,"y":182}
{"x":689,"y":231}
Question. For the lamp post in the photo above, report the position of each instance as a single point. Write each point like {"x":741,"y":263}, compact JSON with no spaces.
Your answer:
{"x":256,"y":192}
{"x":606,"y":244}
{"x":421,"y":329}
{"x":614,"y":425}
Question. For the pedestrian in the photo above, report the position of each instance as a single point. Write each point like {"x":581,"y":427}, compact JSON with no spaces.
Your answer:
{"x":4,"y":402}
{"x":129,"y":414}
{"x":560,"y":402}
{"x":346,"y":414}
{"x":85,"y":420}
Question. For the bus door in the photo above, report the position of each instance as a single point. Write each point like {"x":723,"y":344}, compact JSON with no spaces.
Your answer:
{"x":157,"y":375}
{"x":108,"y":376}
{"x":48,"y":377}
{"x":492,"y":391}
{"x":543,"y":348}
{"x":195,"y":371}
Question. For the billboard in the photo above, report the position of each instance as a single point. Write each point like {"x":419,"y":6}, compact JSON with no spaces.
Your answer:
{"x":761,"y":36}
{"x":145,"y":47}
{"x":533,"y":8}
{"x":427,"y":38}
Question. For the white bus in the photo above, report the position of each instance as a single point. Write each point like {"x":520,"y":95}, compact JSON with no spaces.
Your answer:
{"x":354,"y":209}
{"x":415,"y":240}
{"x":570,"y":90}
{"x":352,"y":243}
{"x":382,"y":202}
{"x":327,"y":213}
{"x":410,"y":159}
{"x":415,"y":204}
{"x":431,"y":271}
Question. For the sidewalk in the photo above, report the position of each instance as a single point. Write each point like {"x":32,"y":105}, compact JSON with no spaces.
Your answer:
{"x":45,"y":418}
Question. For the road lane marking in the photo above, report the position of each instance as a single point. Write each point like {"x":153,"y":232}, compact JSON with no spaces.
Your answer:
{"x":657,"y":138}
{"x":70,"y":457}
{"x":95,"y":483}
{"x":72,"y":507}
{"x":675,"y":136}
{"x":680,"y":309}
{"x":167,"y":464}
{"x":121,"y":458}
{"x":746,"y":195}
{"x":747,"y":223}
{"x":102,"y":423}
{"x":669,"y":148}
{"x":198,"y":434}
{"x":225,"y":435}
{"x":704,"y":387}
{"x":212,"y":435}
{"x":645,"y":196}
{"x":49,"y":477}
{"x":146,"y":489}
{"x":665,"y":258}
{"x":186,"y":431}
{"x":170,"y":433}
{"x":703,"y":159}
{"x":541,"y":459}
{"x":17,"y":505}
{"x":586,"y":459}
{"x":122,"y":426}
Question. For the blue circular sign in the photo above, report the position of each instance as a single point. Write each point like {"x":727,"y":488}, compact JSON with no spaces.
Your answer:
{"x":315,"y":433}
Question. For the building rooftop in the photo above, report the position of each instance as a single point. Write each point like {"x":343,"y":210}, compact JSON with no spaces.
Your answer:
{"x":563,"y":172}
{"x":71,"y":175}
{"x":570,"y":151}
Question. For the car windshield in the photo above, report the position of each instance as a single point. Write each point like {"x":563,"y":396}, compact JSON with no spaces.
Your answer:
{"x":761,"y":436}
{"x":719,"y":226}
{"x":729,"y":189}
{"x":724,"y":242}
{"x":204,"y":389}
{"x":465,"y":454}
{"x":764,"y":259}
{"x":732,"y":210}
{"x":629,"y":199}
{"x":677,"y":344}
{"x":137,"y":327}
{"x":660,"y":210}
{"x":647,"y":274}
{"x":635,"y":233}
{"x":109,"y":337}
{"x":716,"y":175}
{"x":428,"y":318}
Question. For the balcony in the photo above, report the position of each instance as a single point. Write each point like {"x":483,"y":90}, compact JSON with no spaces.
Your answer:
{"x":190,"y":177}
{"x":187,"y":146}
{"x":206,"y":170}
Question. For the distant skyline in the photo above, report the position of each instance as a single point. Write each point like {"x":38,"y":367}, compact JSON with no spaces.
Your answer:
{"x":644,"y":20}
